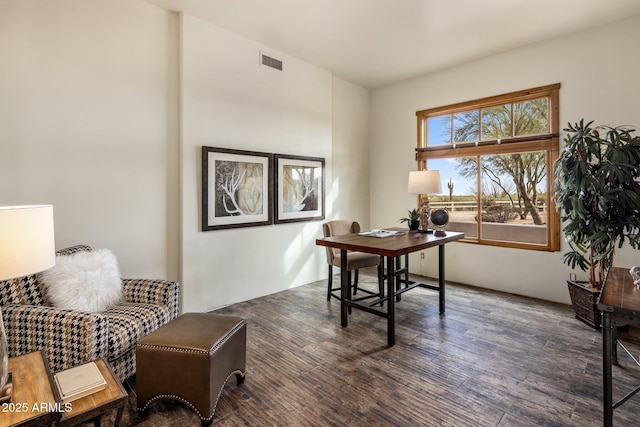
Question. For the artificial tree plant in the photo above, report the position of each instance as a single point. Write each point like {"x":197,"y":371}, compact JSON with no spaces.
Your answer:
{"x":598,"y":195}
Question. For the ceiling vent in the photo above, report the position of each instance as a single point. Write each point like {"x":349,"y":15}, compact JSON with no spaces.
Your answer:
{"x":270,"y":61}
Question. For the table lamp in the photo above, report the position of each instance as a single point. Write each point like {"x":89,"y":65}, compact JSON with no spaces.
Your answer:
{"x":27,"y":247}
{"x":423,"y":183}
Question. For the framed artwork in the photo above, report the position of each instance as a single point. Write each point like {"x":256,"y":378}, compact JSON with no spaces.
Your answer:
{"x":299,"y":188}
{"x":236,"y":188}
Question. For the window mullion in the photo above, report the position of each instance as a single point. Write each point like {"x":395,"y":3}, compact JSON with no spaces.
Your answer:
{"x":480,"y":130}
{"x":452,"y":131}
{"x":486,"y":149}
{"x":513,"y":124}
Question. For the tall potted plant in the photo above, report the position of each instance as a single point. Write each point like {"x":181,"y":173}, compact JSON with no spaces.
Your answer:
{"x":598,"y":197}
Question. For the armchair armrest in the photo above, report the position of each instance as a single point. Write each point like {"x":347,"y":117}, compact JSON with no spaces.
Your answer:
{"x":147,"y":291}
{"x":68,"y":337}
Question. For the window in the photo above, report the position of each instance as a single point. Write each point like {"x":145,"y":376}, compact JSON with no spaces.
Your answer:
{"x":496,"y":157}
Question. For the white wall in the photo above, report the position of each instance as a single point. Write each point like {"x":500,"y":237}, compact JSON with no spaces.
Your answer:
{"x":350,"y":185}
{"x":89,"y":115}
{"x":103,"y":109}
{"x":229,"y":100}
{"x":598,"y":73}
{"x":88,"y":123}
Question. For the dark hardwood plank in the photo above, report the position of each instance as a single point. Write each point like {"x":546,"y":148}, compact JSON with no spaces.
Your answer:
{"x":493,"y":359}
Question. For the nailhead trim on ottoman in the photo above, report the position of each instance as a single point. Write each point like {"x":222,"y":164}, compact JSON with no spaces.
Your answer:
{"x":189,"y":360}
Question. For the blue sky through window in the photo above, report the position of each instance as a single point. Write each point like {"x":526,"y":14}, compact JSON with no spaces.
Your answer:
{"x":439,"y":131}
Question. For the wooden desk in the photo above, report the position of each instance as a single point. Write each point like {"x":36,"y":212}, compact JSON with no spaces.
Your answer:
{"x":620,"y":305}
{"x":392,"y":248}
{"x":91,"y":407}
{"x":35,"y":401}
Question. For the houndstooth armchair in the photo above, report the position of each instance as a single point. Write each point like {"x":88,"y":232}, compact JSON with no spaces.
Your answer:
{"x":69,"y":337}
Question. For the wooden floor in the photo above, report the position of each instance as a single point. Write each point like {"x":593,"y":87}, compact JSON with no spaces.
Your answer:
{"x":492,"y":360}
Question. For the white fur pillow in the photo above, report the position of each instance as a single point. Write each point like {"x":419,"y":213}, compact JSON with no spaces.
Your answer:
{"x":86,"y":281}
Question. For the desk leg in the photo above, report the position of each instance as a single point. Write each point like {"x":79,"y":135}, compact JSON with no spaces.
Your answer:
{"x":343,"y":287}
{"x":441,"y":277}
{"x":391,"y":308}
{"x":398,"y":282}
{"x":607,"y":377}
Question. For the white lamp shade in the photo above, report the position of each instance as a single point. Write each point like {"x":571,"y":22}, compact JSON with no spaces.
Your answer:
{"x":27,"y":243}
{"x":424,"y":182}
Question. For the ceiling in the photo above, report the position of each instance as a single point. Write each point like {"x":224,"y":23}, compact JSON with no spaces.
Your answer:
{"x":377,"y":42}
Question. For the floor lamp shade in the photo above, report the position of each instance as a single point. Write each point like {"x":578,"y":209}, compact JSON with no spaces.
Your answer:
{"x":27,"y":246}
{"x":27,"y":243}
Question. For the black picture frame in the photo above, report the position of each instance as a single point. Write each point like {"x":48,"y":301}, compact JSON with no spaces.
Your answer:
{"x":299,"y":189}
{"x":236,"y":188}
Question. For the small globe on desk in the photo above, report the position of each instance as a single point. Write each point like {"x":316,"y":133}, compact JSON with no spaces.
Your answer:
{"x":439,"y":218}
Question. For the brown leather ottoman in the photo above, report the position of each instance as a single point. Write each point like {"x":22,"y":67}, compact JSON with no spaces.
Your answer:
{"x":189,"y":360}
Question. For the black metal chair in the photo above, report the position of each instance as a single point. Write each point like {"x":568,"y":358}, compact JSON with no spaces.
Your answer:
{"x":355,"y":260}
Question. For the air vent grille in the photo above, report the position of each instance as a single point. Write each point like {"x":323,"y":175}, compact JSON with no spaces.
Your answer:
{"x":271,"y":62}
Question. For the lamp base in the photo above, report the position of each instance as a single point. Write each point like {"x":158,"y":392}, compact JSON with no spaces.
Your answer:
{"x":7,"y":390}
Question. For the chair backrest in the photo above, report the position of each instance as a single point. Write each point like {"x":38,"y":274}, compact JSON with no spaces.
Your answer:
{"x":338,"y":228}
{"x":27,"y":290}
{"x":23,"y":290}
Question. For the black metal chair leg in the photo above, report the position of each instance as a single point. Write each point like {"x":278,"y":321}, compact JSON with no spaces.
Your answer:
{"x":349,"y":290}
{"x":355,"y":282}
{"x":406,"y":273}
{"x":381,"y":280}
{"x":352,"y":283}
{"x":330,"y":282}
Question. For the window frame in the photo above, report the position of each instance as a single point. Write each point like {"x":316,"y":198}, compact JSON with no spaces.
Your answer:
{"x":547,"y":142}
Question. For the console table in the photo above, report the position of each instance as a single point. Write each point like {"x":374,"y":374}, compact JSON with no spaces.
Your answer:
{"x":620,"y":305}
{"x":392,"y":248}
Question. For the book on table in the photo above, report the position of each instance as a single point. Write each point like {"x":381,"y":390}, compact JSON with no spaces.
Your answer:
{"x":79,"y":381}
{"x":382,"y":233}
